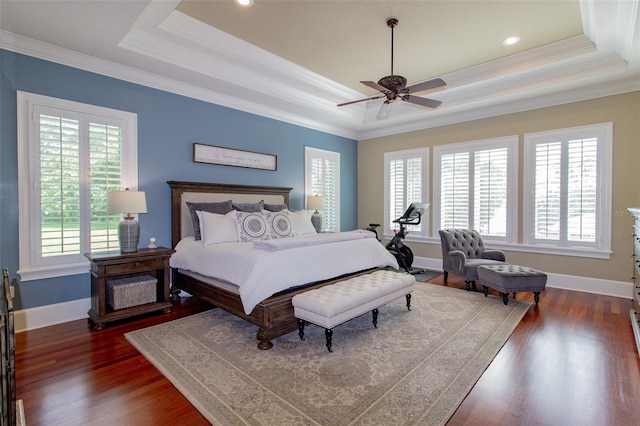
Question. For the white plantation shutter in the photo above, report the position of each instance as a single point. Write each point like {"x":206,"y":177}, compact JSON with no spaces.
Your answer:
{"x":547,"y":186}
{"x":76,"y":157}
{"x":406,"y":182}
{"x":397,"y":195}
{"x":323,"y":178}
{"x":490,"y":191}
{"x":568,"y":172}
{"x":454,"y":190}
{"x":582,"y":185}
{"x":105,"y":174}
{"x":59,"y":200}
{"x":477,"y":187}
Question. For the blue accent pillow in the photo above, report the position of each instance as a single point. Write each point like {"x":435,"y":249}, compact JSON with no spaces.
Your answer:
{"x":249,"y":207}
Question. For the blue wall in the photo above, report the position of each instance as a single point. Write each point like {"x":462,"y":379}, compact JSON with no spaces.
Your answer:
{"x":168,"y":125}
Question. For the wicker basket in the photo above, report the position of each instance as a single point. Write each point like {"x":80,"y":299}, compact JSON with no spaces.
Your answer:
{"x":132,"y":291}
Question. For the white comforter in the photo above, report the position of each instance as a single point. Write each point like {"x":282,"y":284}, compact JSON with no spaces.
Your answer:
{"x":311,"y":240}
{"x":260,"y":274}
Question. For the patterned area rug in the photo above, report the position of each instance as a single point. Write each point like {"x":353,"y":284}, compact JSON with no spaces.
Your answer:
{"x":415,"y":368}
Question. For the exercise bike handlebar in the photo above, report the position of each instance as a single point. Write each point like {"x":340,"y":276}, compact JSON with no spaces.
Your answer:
{"x":413,"y":220}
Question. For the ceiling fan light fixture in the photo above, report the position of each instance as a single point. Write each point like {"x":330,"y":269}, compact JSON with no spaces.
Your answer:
{"x":384,"y":110}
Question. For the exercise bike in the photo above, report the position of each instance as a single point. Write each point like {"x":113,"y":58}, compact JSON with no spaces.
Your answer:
{"x":396,"y":246}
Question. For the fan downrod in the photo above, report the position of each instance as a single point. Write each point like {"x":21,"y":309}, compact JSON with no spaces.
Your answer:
{"x":394,"y":83}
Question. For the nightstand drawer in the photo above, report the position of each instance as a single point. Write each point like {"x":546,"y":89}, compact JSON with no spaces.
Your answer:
{"x":137,"y":266}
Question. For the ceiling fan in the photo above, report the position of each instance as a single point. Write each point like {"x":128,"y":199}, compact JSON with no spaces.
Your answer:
{"x":394,"y":87}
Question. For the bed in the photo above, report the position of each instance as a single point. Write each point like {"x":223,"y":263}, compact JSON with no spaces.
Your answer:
{"x":273,"y":314}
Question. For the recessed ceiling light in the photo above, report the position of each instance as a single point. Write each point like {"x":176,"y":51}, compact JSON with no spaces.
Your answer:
{"x":244,"y":3}
{"x":510,"y":40}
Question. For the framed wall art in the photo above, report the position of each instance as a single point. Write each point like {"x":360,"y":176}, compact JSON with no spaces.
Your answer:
{"x":212,"y":154}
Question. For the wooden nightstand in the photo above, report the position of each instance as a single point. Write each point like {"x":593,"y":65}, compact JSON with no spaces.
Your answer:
{"x":109,"y":266}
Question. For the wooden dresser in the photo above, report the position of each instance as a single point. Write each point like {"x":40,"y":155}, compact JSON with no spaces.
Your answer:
{"x":635,"y":309}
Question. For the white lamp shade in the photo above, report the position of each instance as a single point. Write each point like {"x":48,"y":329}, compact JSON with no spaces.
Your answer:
{"x":317,"y":202}
{"x":126,"y":202}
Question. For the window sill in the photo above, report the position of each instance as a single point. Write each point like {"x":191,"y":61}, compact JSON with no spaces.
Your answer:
{"x":556,"y":251}
{"x":53,"y":271}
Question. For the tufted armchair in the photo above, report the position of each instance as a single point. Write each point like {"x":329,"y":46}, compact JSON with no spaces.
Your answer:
{"x":463,"y":251}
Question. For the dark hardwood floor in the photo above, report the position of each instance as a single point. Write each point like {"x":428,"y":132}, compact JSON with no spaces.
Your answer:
{"x":571,"y":361}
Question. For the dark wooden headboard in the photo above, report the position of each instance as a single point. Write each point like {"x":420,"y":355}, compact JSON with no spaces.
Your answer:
{"x":215,"y":192}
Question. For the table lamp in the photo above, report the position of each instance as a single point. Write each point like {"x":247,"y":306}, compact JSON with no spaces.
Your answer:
{"x":317,"y":202}
{"x":127,"y":202}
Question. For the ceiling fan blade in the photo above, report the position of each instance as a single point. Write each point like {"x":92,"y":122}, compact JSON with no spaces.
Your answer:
{"x":361,"y":100}
{"x":429,"y":103}
{"x":375,"y":85}
{"x":426,"y":85}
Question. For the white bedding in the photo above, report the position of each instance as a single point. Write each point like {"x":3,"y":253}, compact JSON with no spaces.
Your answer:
{"x":260,"y":274}
{"x":311,"y":240}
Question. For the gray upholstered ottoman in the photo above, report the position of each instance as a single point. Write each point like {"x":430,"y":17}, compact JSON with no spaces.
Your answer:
{"x":512,"y":279}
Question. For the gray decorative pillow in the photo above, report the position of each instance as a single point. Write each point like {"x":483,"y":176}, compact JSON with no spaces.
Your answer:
{"x":275,"y":207}
{"x":280,"y":224}
{"x":223,"y":207}
{"x":252,"y":226}
{"x":249,"y":207}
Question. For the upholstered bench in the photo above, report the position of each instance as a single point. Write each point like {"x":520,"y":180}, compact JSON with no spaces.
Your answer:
{"x":335,"y":304}
{"x":512,"y":279}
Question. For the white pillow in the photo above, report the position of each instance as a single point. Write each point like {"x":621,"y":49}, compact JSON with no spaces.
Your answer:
{"x":301,"y":222}
{"x":218,"y":228}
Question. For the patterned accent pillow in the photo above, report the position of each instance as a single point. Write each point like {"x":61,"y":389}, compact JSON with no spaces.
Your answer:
{"x":280,"y":224}
{"x":252,"y":226}
{"x":218,"y":208}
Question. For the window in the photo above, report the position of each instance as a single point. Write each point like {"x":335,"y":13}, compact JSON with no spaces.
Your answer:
{"x":476,"y":187}
{"x":322,"y":177}
{"x":70,"y":154}
{"x":568,"y":178}
{"x":406,"y":181}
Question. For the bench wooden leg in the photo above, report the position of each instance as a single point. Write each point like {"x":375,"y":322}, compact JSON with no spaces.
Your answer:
{"x":328,"y":333}
{"x":301,"y":329}
{"x":505,"y":298}
{"x":536,"y":297}
{"x":375,"y":317}
{"x":408,"y":301}
{"x":486,"y":290}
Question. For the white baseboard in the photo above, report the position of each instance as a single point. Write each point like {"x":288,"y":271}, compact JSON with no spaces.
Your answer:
{"x":43,"y":316}
{"x":565,"y":282}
